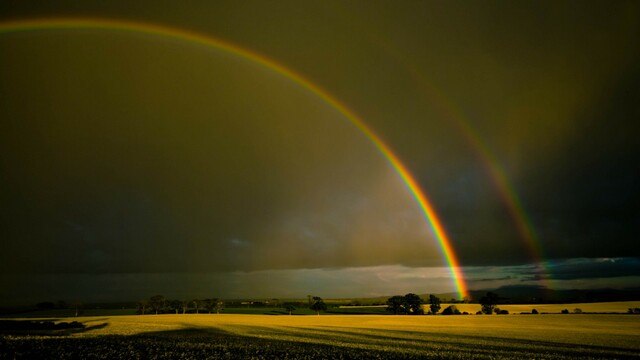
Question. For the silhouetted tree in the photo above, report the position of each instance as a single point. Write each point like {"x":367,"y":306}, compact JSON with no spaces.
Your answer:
{"x":318,"y":305}
{"x":208,"y":304}
{"x":565,"y":311}
{"x":434,"y":304}
{"x":142,"y":306}
{"x":489,"y":302}
{"x":451,"y":310}
{"x":396,"y":305}
{"x":289,"y":307}
{"x":196,"y":304}
{"x":414,"y":304}
{"x":156,"y":303}
{"x":175,"y":305}
{"x":218,"y":306}
{"x":185,"y":305}
{"x":534,"y":311}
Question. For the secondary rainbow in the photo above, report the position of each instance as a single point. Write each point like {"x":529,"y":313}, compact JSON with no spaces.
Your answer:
{"x":207,"y":40}
{"x":496,"y":172}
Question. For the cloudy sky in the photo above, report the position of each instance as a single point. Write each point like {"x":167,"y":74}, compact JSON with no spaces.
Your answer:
{"x":133,"y":164}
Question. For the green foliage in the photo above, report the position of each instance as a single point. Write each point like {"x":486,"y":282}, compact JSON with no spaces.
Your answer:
{"x":396,"y":305}
{"x":434,"y":304}
{"x":451,"y":310}
{"x":318,"y":305}
{"x":289,"y":307}
{"x":410,"y":304}
{"x":156,"y":303}
{"x":414,"y":304}
{"x":489,"y":302}
{"x":174,"y":306}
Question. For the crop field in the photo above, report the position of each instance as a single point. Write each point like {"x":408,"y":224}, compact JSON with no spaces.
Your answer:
{"x":602,"y":307}
{"x":227,"y":336}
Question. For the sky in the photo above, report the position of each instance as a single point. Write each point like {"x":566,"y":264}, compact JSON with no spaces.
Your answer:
{"x":134,"y":163}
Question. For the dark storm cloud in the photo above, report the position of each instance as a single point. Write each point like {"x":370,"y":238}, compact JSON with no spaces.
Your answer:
{"x":588,"y":269}
{"x":153,"y":166}
{"x":128,"y":153}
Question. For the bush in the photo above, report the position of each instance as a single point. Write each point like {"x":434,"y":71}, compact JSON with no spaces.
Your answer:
{"x":534,"y":311}
{"x":502,"y":312}
{"x":451,"y":310}
{"x":565,"y":311}
{"x":577,"y":311}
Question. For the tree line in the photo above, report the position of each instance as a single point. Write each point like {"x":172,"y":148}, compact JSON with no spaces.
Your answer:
{"x":412,"y":304}
{"x":157,"y":304}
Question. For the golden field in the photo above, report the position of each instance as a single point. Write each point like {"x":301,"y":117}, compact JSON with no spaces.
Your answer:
{"x":551,"y":336}
{"x":602,"y":307}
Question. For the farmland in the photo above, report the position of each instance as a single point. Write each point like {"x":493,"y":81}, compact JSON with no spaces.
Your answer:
{"x":551,"y":336}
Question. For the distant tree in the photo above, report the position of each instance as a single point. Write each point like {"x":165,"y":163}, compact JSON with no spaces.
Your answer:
{"x":534,"y":311}
{"x":218,"y":306}
{"x":489,"y":302}
{"x":396,"y":305}
{"x":289,"y":307}
{"x":185,"y":305}
{"x":196,"y":304}
{"x":175,"y":305}
{"x":434,"y":304}
{"x":318,"y":305}
{"x":564,"y":311}
{"x":142,"y":306}
{"x":502,"y":312}
{"x":157,"y":303}
{"x":208,"y":304}
{"x":451,"y":310}
{"x":577,"y":311}
{"x":45,"y":305}
{"x":414,"y":304}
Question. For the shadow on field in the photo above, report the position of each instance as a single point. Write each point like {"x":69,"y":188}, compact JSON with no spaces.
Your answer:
{"x":473,"y":345}
{"x":190,"y":343}
{"x":295,"y":343}
{"x":45,"y":327}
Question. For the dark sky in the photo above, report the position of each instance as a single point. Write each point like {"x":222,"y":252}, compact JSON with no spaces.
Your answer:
{"x":132,"y":164}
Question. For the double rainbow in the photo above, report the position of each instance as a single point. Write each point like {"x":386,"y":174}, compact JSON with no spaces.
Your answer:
{"x":209,"y":41}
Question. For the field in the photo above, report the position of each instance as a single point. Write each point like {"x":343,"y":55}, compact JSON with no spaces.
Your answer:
{"x":224,"y":336}
{"x":603,"y":307}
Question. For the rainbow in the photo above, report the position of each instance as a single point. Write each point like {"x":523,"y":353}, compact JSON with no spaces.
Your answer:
{"x":208,"y":41}
{"x":496,"y":172}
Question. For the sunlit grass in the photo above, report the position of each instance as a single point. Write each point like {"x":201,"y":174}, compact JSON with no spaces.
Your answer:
{"x":360,"y":336}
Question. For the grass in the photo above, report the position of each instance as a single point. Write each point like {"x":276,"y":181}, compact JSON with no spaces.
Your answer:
{"x":193,"y":336}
